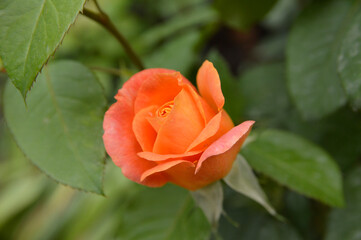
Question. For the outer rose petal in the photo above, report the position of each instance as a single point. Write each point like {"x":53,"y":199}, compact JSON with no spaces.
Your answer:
{"x":232,"y":139}
{"x":143,"y":130}
{"x":165,"y":166}
{"x":181,"y":172}
{"x":209,"y":85}
{"x":162,"y":157}
{"x":131,"y":87}
{"x":121,"y":145}
{"x":215,"y":168}
{"x":214,"y":164}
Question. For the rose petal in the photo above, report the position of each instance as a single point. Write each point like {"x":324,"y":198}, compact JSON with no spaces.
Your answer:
{"x":207,"y":112}
{"x":162,"y":157}
{"x":121,"y":144}
{"x":143,"y":130}
{"x":159,"y":89}
{"x":217,"y":127}
{"x":214,"y":169}
{"x":235,"y":136}
{"x":131,"y":87}
{"x":182,"y":126}
{"x":209,"y":85}
{"x":165,"y":166}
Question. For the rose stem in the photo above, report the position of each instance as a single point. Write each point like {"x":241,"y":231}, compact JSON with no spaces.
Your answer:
{"x":103,"y":19}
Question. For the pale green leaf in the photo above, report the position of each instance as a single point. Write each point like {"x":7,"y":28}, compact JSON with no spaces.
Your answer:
{"x":60,"y":130}
{"x":18,"y":195}
{"x":296,"y":163}
{"x":31,"y":30}
{"x":242,"y":179}
{"x":210,"y":200}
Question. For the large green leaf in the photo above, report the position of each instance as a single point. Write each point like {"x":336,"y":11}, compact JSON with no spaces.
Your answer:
{"x":264,"y":93}
{"x":345,"y":223}
{"x":296,"y":163}
{"x":350,"y":61}
{"x":60,"y":129}
{"x":312,"y":55}
{"x":165,"y":213}
{"x":241,"y":14}
{"x":31,"y":30}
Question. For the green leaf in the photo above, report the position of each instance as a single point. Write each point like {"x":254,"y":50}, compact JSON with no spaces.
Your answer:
{"x":312,"y":57}
{"x":345,"y":223}
{"x":60,"y":130}
{"x":165,"y":213}
{"x":242,"y":179}
{"x":255,"y":225}
{"x":210,"y":200}
{"x":349,"y":61}
{"x":264,"y":93}
{"x":189,"y":19}
{"x":177,"y":54}
{"x":296,"y":163}
{"x":242,"y":14}
{"x":31,"y":30}
{"x":29,"y":188}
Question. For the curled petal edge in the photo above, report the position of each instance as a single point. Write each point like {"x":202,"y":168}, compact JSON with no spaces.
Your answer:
{"x":163,"y":167}
{"x":226,"y":142}
{"x":150,"y":156}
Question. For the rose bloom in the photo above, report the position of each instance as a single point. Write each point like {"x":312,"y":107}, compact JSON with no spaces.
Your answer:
{"x":162,"y":130}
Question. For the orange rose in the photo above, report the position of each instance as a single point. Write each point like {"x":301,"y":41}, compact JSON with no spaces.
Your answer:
{"x":161,"y":130}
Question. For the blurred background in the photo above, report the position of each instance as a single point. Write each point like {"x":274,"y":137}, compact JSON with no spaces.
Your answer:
{"x":246,"y":41}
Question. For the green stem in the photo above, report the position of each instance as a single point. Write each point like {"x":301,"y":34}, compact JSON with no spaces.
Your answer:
{"x":103,"y":19}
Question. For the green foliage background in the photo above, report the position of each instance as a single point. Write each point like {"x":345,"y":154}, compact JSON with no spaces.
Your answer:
{"x":292,"y":66}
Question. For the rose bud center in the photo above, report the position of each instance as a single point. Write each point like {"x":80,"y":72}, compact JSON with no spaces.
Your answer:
{"x":164,"y":110}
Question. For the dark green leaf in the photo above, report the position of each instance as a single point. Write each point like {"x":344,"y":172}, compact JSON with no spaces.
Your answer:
{"x":185,"y":20}
{"x":350,"y":61}
{"x":31,"y":30}
{"x":60,"y":129}
{"x":264,"y":93}
{"x":241,"y":14}
{"x":252,"y":224}
{"x":296,"y":163}
{"x":166,"y":213}
{"x":345,"y":223}
{"x":312,"y":55}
